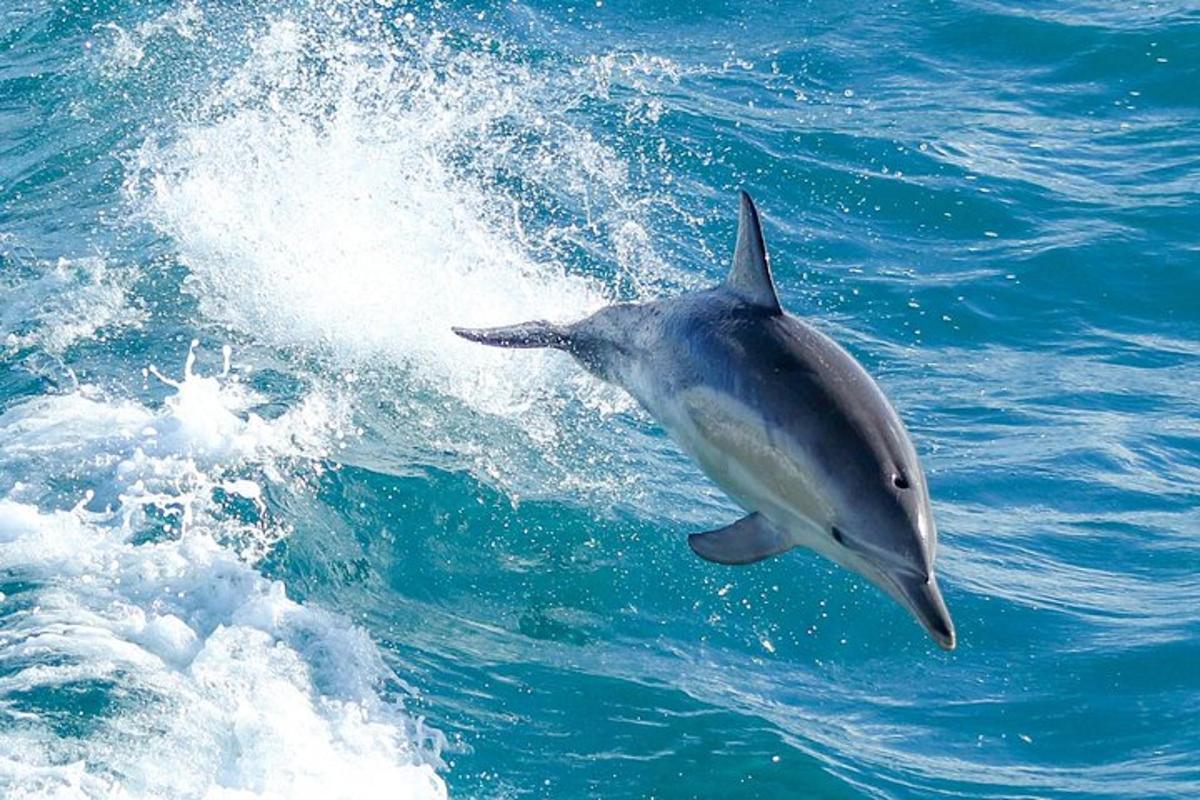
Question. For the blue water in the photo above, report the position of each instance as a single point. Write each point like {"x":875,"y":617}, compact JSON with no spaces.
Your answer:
{"x":269,"y":530}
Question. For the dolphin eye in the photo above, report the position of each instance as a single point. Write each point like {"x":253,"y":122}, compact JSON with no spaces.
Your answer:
{"x":838,"y":536}
{"x":899,"y":481}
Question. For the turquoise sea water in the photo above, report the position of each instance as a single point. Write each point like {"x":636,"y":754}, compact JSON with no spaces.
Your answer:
{"x":269,"y":530}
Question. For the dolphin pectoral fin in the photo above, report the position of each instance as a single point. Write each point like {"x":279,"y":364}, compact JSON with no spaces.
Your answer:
{"x":749,"y":539}
{"x":537,"y":333}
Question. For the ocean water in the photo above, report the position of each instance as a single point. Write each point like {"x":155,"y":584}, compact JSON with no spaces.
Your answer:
{"x":268,"y":529}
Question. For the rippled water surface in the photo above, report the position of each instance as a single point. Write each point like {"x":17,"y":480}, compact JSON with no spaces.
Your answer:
{"x":268,"y":529}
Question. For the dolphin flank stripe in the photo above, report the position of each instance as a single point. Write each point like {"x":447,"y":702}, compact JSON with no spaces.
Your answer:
{"x":778,"y":415}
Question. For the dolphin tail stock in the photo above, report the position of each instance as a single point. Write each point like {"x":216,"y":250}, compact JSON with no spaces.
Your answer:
{"x":536,"y":333}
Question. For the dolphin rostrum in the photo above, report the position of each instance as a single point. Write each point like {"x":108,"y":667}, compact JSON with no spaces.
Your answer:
{"x":777,"y":414}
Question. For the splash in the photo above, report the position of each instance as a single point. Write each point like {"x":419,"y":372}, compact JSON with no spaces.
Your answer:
{"x":353,"y":195}
{"x":346,"y":198}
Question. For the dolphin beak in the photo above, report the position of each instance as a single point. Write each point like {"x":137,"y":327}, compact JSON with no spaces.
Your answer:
{"x":924,"y":600}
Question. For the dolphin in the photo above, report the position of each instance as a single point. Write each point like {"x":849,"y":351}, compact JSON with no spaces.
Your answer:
{"x":778,"y":415}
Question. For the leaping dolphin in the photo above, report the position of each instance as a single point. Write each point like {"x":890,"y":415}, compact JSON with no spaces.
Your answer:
{"x":783,"y":419}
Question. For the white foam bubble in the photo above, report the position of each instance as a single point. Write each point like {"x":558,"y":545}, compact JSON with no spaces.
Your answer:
{"x":200,"y":677}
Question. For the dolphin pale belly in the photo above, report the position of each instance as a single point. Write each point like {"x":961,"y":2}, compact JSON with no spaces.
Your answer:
{"x":778,"y":415}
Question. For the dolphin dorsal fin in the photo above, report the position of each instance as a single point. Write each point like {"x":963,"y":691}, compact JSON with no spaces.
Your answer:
{"x":750,"y":277}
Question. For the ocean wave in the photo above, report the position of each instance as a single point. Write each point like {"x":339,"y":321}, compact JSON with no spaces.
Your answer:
{"x":141,"y":604}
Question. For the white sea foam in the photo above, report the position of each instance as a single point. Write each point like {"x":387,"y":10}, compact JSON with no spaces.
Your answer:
{"x":58,"y":304}
{"x":200,"y":677}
